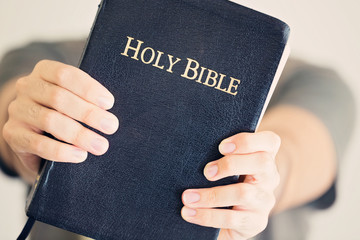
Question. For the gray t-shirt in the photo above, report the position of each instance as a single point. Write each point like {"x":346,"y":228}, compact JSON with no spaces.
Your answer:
{"x":315,"y":89}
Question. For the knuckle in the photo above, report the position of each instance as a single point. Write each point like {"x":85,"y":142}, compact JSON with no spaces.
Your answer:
{"x":246,"y":193}
{"x":204,"y":216}
{"x":211,"y":196}
{"x":58,"y":153}
{"x":77,"y":136}
{"x":20,"y":84}
{"x":276,"y":179}
{"x":57,"y":98}
{"x":86,"y":114}
{"x":225,"y":164}
{"x":86,"y":90}
{"x":62,"y":73}
{"x":34,"y":111}
{"x":22,"y":141}
{"x":6,"y":132}
{"x":275,"y":140}
{"x":262,"y":198}
{"x":39,"y":65}
{"x":47,"y":120}
{"x":43,"y":85}
{"x":245,"y":141}
{"x":265,"y":201}
{"x":267,"y":161}
{"x":37,"y":146}
{"x":240,"y":191}
{"x":12,"y":108}
{"x":266,"y":157}
{"x":42,"y":63}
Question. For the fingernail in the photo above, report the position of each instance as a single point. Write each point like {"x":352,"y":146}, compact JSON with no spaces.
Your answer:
{"x":80,"y":155}
{"x":109,"y":125}
{"x":227,"y":147}
{"x":105,"y":102}
{"x":191,"y":197}
{"x":211,"y":171}
{"x":99,"y":145}
{"x":188,"y":212}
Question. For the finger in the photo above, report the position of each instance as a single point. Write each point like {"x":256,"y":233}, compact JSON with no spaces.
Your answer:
{"x":246,"y":223}
{"x":260,"y":164}
{"x":76,"y":81}
{"x":25,"y":140}
{"x":73,"y":106}
{"x":244,"y":143}
{"x":58,"y":125}
{"x":244,"y":196}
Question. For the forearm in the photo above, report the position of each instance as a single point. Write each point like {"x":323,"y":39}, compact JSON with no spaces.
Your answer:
{"x":7,"y":94}
{"x":306,"y":160}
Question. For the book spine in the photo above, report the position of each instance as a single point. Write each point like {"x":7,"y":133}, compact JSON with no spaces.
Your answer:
{"x":42,"y":172}
{"x":100,"y":8}
{"x":48,"y":165}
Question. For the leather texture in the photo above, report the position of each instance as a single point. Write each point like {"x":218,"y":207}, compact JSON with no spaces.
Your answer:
{"x":170,"y":126}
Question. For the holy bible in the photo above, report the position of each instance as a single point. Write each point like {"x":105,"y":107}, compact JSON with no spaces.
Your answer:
{"x":185,"y":75}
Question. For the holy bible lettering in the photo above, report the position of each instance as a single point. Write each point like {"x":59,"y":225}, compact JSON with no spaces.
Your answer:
{"x":193,"y":70}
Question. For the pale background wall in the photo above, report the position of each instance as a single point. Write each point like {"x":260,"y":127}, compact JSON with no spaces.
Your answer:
{"x":324,"y":32}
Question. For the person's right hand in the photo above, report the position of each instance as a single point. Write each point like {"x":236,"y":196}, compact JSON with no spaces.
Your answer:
{"x":52,"y":99}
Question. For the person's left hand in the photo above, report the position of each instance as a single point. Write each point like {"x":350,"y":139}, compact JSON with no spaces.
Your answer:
{"x":252,"y":156}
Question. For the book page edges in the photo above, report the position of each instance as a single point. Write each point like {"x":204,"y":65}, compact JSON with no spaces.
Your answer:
{"x":279,"y":70}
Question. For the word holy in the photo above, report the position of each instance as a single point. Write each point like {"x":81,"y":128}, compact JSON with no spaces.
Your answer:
{"x":204,"y":76}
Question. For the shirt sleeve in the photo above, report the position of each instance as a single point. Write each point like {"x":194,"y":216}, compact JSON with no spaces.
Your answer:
{"x":21,"y":61}
{"x":322,"y":92}
{"x":7,"y":170}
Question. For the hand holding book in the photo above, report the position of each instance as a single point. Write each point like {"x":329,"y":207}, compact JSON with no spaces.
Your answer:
{"x":252,"y":156}
{"x":49,"y":100}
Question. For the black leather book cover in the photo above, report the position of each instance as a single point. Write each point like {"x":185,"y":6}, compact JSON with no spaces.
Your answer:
{"x":185,"y":75}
